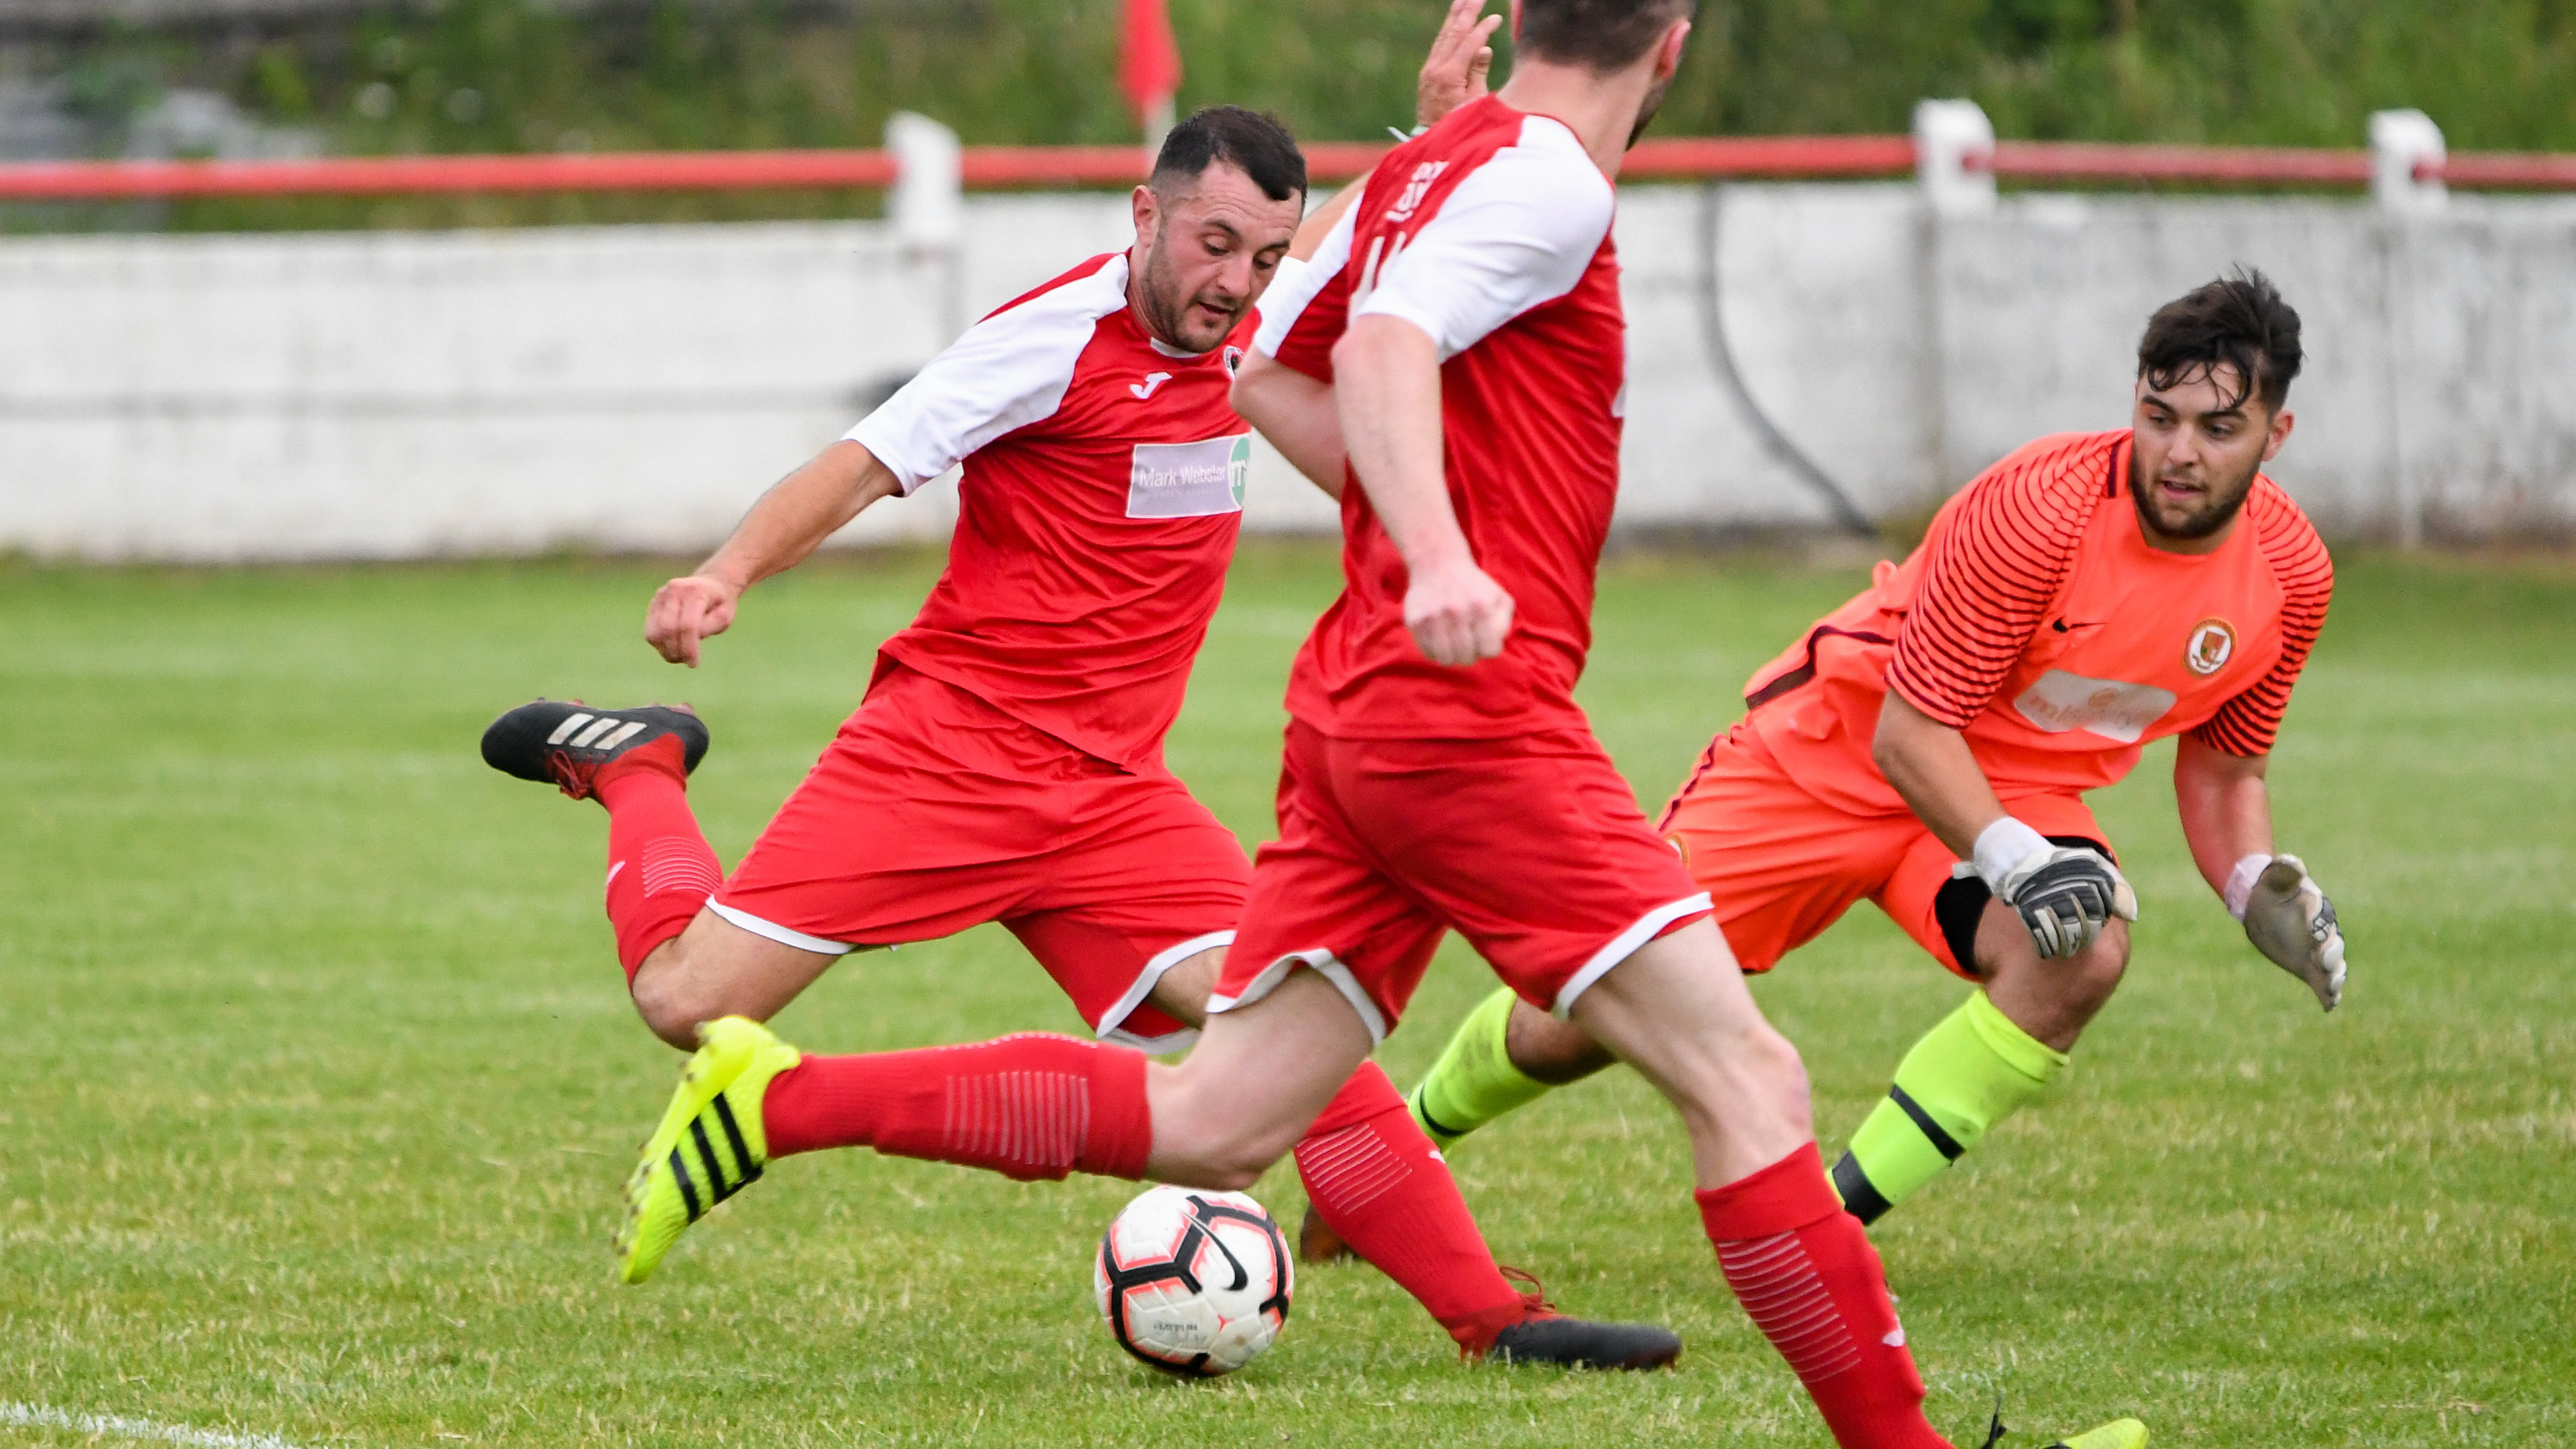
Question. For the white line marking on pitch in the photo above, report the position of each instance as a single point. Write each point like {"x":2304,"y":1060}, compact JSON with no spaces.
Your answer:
{"x":38,"y":1416}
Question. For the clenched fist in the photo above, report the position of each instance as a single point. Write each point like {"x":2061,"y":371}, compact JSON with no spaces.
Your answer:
{"x":687,"y":610}
{"x":1457,"y":613}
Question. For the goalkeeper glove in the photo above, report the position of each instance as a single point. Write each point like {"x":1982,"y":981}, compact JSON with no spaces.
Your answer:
{"x":2290,"y":920}
{"x":2063,"y":894}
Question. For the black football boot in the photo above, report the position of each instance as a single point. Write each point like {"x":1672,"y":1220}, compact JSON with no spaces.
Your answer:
{"x":1548,"y":1337}
{"x":565,"y":742}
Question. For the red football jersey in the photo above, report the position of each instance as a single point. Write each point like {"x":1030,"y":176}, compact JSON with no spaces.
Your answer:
{"x":1490,"y":232}
{"x":1103,"y":488}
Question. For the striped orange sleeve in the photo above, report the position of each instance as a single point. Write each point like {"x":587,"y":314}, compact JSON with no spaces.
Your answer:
{"x":1992,"y":575}
{"x":2246,"y":725}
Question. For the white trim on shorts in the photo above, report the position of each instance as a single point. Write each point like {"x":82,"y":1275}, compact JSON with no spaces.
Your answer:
{"x":1110,"y":1027}
{"x":1323,"y":963}
{"x":776,"y":932}
{"x":1625,"y":945}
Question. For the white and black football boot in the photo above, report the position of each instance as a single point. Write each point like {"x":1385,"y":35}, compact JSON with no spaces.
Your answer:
{"x":565,"y":743}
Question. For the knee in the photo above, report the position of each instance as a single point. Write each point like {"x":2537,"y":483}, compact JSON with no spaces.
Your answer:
{"x":1756,"y":1073}
{"x":671,"y":1003}
{"x":1218,"y":1164}
{"x":1783,"y":1076}
{"x":1547,"y":1050}
{"x":2094,"y":973}
{"x":1231,"y":1176}
{"x":1203,"y":1138}
{"x":1234,"y":1155}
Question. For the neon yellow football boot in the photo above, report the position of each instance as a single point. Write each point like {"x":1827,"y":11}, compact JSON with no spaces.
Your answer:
{"x":710,"y":1144}
{"x":2118,"y":1434}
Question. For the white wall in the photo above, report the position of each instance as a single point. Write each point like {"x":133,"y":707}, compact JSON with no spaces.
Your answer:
{"x":393,"y":394}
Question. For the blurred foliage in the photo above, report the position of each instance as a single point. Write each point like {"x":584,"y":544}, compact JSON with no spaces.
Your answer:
{"x":530,"y":75}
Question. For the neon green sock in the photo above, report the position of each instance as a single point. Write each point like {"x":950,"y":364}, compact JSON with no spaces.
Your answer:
{"x":1474,"y":1081}
{"x":1967,"y":1074}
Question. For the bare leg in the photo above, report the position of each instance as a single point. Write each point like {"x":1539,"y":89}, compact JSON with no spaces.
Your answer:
{"x":716,"y":968}
{"x":1679,"y":1012}
{"x":1183,"y":992}
{"x":1376,"y":1187}
{"x":1549,"y":1050}
{"x":1300,"y":1044}
{"x":2052,"y":1000}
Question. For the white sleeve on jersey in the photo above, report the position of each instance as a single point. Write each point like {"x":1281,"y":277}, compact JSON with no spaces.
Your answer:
{"x":1289,"y":292}
{"x":1009,"y":370}
{"x":1518,"y":233}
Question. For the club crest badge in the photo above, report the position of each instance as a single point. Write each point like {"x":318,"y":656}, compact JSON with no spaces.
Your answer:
{"x":2211,"y":645}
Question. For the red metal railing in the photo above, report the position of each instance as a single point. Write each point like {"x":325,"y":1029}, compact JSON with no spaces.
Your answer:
{"x":2225,"y":165}
{"x":1694,"y":158}
{"x":2507,"y":169}
{"x":1004,"y":167}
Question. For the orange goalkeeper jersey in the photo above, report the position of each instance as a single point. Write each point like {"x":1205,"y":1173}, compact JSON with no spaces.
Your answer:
{"x":2037,"y":621}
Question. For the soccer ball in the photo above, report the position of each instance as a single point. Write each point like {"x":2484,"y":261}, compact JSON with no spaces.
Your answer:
{"x":1194,"y":1283}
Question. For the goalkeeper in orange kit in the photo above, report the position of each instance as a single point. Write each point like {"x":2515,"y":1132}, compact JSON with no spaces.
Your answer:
{"x":1927,"y":747}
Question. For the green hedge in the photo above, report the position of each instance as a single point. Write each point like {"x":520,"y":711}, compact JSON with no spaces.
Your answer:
{"x":511,"y":75}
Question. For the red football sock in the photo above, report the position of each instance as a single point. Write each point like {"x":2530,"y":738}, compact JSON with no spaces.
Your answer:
{"x":660,"y":868}
{"x":1028,"y":1107}
{"x":1806,"y":1273}
{"x":1380,"y":1184}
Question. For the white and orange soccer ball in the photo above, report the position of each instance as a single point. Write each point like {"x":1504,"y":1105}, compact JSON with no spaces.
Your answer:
{"x":1193,"y":1283}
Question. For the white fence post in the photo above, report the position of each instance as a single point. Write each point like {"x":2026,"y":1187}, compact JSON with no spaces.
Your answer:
{"x":928,"y":205}
{"x":2403,"y":144}
{"x":929,"y":201}
{"x":1954,"y":147}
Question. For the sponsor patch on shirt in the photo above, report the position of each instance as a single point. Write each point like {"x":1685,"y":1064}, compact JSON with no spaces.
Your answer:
{"x":2060,"y":703}
{"x":1189,"y":480}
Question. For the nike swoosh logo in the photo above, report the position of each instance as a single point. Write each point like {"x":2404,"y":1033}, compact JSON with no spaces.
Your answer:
{"x":2062,"y":627}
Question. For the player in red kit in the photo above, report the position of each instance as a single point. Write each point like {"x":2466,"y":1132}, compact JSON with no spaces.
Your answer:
{"x":1007,"y":763}
{"x":1463,"y":356}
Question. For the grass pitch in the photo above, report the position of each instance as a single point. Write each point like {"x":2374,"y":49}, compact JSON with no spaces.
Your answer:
{"x":320,"y":1083}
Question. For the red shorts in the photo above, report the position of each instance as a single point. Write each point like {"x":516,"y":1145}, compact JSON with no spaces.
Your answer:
{"x":1532,"y":847}
{"x":933,"y":811}
{"x":1781,"y":865}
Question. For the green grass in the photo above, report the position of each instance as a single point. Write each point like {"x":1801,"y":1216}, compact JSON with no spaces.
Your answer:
{"x":320,"y":1083}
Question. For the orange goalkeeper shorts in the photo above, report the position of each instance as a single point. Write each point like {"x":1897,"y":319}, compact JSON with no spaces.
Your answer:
{"x":1780,"y":865}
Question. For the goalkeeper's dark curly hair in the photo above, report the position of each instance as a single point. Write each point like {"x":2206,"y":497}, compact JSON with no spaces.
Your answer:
{"x":2238,"y":320}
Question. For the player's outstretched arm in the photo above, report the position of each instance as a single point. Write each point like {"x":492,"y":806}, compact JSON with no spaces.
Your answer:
{"x":790,"y":521}
{"x":1386,"y":375}
{"x":2226,"y":810}
{"x":1462,"y":57}
{"x":2063,"y":894}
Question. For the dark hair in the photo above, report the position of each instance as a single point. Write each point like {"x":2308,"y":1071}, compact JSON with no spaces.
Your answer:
{"x":1252,"y":141}
{"x":1600,"y":35}
{"x":2239,"y":321}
